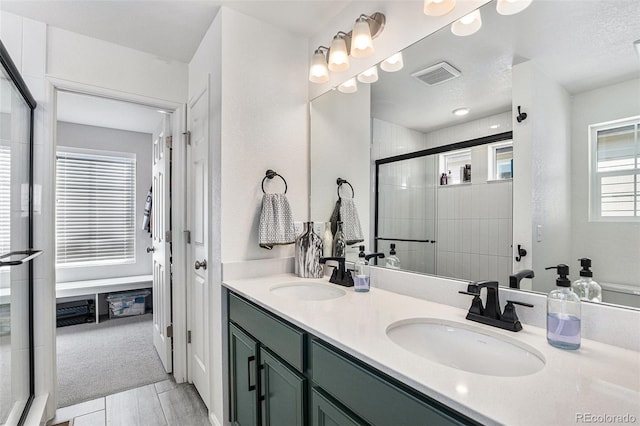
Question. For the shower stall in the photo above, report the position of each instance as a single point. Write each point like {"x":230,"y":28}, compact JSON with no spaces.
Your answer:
{"x":16,"y":244}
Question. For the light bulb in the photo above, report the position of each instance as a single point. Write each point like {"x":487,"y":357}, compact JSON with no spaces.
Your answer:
{"x":511,"y":7}
{"x":369,"y":76}
{"x":468,"y":24}
{"x":460,"y":111}
{"x":338,"y":56}
{"x":349,"y":86}
{"x":438,"y":7}
{"x":318,"y":72}
{"x":361,"y":42}
{"x":392,"y":63}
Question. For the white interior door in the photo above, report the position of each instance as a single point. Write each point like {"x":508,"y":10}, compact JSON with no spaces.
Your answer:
{"x":197,"y":272}
{"x":161,"y":246}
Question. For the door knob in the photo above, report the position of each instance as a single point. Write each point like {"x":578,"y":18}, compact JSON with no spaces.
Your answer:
{"x":202,"y":264}
{"x":151,"y":249}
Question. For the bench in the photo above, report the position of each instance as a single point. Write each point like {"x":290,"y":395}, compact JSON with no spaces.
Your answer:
{"x":94,"y":288}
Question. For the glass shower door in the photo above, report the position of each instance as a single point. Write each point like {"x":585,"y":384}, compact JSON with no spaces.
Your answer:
{"x":16,"y":329}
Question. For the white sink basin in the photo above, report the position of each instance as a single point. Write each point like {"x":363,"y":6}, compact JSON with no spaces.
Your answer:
{"x":307,"y":290}
{"x":466,"y":347}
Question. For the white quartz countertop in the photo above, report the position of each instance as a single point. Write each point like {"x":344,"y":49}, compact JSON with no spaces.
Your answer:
{"x":573,"y":387}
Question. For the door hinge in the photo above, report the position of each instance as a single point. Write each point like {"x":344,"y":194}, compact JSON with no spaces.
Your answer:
{"x":167,"y":236}
{"x":187,"y":136}
{"x":170,"y":331}
{"x":169,"y":142}
{"x":189,"y":336}
{"x":187,"y":237}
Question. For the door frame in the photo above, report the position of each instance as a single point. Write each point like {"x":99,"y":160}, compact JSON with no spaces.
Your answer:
{"x":178,"y":205}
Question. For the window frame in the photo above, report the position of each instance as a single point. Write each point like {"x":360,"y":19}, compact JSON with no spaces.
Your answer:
{"x":595,"y":195}
{"x":99,"y":153}
{"x":492,"y":161}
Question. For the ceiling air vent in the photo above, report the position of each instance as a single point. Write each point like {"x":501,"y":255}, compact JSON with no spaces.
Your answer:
{"x":436,"y":74}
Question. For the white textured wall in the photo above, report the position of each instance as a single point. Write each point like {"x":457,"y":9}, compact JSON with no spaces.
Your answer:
{"x":103,"y":139}
{"x":542,"y":174}
{"x":78,"y":58}
{"x":614,"y":247}
{"x":341,"y":147}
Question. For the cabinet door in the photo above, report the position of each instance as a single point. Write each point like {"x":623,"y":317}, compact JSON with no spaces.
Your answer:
{"x":242,"y":376}
{"x":282,"y":393}
{"x":325,"y":413}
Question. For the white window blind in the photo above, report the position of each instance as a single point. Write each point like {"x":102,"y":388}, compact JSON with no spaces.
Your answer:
{"x":616,"y":170}
{"x":5,"y":199}
{"x":95,"y":208}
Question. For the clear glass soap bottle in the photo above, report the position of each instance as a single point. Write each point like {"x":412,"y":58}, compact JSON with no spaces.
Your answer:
{"x":586,"y":288}
{"x":361,"y":278}
{"x":339,"y":244}
{"x":563,"y":313}
{"x":392,"y":261}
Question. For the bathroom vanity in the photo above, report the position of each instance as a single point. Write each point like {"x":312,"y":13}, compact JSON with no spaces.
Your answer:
{"x":310,"y":352}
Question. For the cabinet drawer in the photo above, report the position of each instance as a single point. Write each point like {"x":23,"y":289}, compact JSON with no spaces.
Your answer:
{"x":371,"y":397}
{"x":281,"y":338}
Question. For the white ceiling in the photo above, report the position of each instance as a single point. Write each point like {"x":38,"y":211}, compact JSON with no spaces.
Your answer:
{"x":169,"y":28}
{"x":581,"y":45}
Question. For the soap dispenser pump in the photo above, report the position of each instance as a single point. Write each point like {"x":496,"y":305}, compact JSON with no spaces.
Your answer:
{"x":392,"y":261}
{"x":361,"y":279}
{"x":586,"y":288}
{"x":563,"y":313}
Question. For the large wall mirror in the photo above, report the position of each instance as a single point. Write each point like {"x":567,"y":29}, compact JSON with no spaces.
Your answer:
{"x":562,"y":184}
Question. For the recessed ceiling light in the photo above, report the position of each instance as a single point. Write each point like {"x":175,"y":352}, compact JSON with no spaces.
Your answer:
{"x":460,"y":111}
{"x":161,"y":111}
{"x":494,"y":126}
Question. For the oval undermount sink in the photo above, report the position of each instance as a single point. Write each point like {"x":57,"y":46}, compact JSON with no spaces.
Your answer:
{"x":466,"y":347}
{"x":307,"y":290}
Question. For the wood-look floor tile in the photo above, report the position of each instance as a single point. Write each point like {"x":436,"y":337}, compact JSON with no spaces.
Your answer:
{"x":68,"y":413}
{"x":165,"y":385}
{"x":183,"y":406}
{"x":135,"y":407}
{"x":97,"y":418}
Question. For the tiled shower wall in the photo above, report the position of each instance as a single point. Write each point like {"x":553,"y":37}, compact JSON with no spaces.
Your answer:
{"x":473,"y":225}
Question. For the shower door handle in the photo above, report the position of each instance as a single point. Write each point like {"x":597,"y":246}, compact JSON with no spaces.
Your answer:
{"x":27,"y":255}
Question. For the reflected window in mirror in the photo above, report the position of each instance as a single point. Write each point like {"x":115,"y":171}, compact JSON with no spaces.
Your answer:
{"x":615,"y":189}
{"x":500,"y":161}
{"x":454,"y":165}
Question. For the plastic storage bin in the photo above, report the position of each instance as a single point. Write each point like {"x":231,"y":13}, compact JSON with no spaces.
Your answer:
{"x":127,"y":304}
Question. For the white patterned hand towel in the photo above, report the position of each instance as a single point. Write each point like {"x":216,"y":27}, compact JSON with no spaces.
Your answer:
{"x":350,"y":221}
{"x":276,"y":221}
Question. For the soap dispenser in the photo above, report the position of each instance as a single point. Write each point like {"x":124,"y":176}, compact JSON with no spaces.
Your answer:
{"x":361,"y":279}
{"x":563,"y":313}
{"x":339,"y":244}
{"x":392,"y":261}
{"x":586,"y":288}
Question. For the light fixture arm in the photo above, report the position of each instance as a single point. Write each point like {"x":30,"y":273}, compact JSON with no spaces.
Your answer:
{"x":376,"y":23}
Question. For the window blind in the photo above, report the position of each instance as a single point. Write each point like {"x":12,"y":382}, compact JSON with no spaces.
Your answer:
{"x":95,"y":208}
{"x":5,"y":199}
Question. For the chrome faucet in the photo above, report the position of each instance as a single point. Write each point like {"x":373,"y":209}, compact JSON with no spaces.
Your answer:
{"x":490,"y":313}
{"x":514,"y":280}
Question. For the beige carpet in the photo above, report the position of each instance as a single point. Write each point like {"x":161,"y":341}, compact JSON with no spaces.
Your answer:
{"x":96,"y":360}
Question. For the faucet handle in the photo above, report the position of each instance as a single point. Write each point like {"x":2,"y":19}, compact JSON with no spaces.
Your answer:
{"x":476,"y":303}
{"x":509,"y":315}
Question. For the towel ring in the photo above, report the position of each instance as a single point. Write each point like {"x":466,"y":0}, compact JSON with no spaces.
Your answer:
{"x":270,"y":174}
{"x":340,"y":181}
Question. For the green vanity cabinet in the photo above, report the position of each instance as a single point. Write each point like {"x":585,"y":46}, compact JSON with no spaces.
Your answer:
{"x":266,"y":364}
{"x":243,"y":351}
{"x":325,"y":412}
{"x":283,"y":376}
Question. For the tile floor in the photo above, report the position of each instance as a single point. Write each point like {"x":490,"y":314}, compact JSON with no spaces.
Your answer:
{"x":164,"y":403}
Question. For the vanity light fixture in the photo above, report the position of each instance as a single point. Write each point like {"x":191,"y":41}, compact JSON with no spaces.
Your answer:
{"x":365,"y":30}
{"x":318,"y":72}
{"x":438,"y":7}
{"x":349,"y":86}
{"x":339,"y":52}
{"x":511,"y":7}
{"x":468,"y":24}
{"x":393,"y":63}
{"x":369,"y":76}
{"x":460,"y":111}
